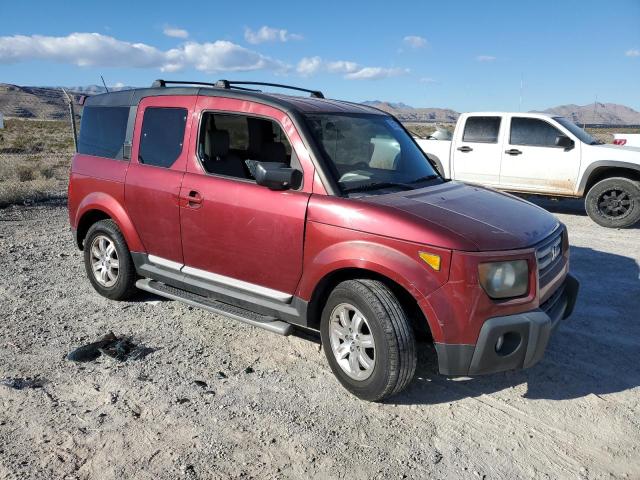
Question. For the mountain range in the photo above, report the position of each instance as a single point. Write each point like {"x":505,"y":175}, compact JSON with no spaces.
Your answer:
{"x":49,"y":103}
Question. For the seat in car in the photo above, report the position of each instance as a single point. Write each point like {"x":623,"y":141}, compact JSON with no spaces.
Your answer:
{"x":218,"y":160}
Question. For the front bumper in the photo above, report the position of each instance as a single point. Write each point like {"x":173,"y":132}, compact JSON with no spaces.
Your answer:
{"x":524,"y":338}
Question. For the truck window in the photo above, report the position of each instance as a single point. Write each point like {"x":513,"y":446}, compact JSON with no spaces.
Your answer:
{"x":481,"y":130}
{"x":162,"y":136}
{"x":533,"y":132}
{"x":102,"y":131}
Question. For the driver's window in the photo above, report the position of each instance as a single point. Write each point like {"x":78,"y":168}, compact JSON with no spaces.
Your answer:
{"x":533,"y":132}
{"x":232,"y":144}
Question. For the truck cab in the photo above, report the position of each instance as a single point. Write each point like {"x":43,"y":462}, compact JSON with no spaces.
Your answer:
{"x":541,"y":154}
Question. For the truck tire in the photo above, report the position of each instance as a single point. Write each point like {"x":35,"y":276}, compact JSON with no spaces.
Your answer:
{"x":368,"y":340}
{"x":614,"y":202}
{"x":108,"y":262}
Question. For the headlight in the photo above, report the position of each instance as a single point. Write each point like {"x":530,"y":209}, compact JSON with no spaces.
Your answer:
{"x":504,"y":279}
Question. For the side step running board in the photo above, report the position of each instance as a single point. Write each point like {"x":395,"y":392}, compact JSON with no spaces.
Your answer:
{"x":257,"y":320}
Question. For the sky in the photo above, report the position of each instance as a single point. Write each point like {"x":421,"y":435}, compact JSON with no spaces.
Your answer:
{"x":465,"y":55}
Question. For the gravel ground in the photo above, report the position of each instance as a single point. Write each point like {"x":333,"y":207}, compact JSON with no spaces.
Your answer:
{"x":268,"y":406}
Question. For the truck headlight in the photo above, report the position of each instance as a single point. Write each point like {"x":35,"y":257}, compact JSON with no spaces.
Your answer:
{"x":504,"y":279}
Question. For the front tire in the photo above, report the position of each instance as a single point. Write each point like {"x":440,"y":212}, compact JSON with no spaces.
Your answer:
{"x":108,"y":262}
{"x":614,"y":202}
{"x":368,"y":339}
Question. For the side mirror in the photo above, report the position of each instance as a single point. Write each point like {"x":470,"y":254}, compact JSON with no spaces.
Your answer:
{"x":277,"y":176}
{"x":564,"y":142}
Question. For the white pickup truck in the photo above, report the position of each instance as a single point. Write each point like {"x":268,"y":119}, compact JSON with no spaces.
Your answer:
{"x":542,"y":154}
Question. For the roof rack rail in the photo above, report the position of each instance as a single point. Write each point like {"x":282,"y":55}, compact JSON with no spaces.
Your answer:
{"x":234,"y":84}
{"x":228,"y":84}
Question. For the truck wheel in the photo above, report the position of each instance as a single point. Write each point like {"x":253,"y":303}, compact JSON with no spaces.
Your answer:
{"x":368,"y":339}
{"x":614,"y":202}
{"x":108,"y":262}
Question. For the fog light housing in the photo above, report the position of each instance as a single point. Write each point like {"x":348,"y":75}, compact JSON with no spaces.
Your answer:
{"x":504,"y":279}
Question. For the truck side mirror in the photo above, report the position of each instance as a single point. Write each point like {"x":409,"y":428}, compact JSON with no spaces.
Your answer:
{"x":565,"y":142}
{"x":277,"y":176}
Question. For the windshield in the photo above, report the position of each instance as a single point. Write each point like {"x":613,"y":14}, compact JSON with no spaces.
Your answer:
{"x":370,"y":152}
{"x":583,"y":136}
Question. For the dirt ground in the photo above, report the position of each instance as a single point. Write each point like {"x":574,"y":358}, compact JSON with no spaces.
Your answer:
{"x":574,"y":415}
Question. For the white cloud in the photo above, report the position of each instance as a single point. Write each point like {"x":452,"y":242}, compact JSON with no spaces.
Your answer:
{"x":485,"y":58}
{"x":269,"y":34}
{"x":414,"y":41}
{"x":175,"y":32}
{"x":309,"y":65}
{"x":428,"y":80}
{"x":118,"y":85}
{"x":375,"y":73}
{"x":94,"y":49}
{"x":633,"y":52}
{"x":350,"y":70}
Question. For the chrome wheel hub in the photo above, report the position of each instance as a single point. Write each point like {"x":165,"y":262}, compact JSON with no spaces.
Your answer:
{"x":352,"y":341}
{"x":104,"y":261}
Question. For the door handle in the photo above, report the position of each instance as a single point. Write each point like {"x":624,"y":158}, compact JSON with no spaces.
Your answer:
{"x":194,"y":199}
{"x":465,"y":149}
{"x":513,"y":151}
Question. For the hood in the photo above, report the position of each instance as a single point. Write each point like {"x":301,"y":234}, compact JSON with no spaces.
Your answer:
{"x":488,"y":219}
{"x":614,"y":152}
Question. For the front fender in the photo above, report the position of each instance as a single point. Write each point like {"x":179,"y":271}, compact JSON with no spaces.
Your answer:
{"x":584,"y":179}
{"x":109,"y":205}
{"x":329,"y":249}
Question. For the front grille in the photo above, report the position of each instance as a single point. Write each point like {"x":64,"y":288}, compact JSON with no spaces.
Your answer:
{"x":549,"y":254}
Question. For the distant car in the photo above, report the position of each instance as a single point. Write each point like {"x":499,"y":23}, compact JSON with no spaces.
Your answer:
{"x":544,"y":155}
{"x":283,"y":211}
{"x":627,"y":139}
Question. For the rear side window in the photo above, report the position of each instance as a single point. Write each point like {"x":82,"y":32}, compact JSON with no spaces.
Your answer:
{"x":102,"y":131}
{"x":162,"y":136}
{"x":481,"y":130}
{"x":533,"y":132}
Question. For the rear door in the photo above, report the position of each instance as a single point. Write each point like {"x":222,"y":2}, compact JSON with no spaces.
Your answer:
{"x":476,"y":150}
{"x":158,"y":163}
{"x":532,"y":162}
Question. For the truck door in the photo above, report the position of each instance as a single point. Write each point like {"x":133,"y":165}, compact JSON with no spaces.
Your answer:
{"x":476,"y":150}
{"x":532,"y":162}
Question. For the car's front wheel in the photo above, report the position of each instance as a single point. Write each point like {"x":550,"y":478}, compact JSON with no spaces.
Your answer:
{"x":108,"y":262}
{"x":614,"y":202}
{"x":368,"y":339}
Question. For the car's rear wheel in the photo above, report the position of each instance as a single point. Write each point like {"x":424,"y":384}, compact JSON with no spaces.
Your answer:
{"x":108,"y":262}
{"x":614,"y":202}
{"x":368,"y":339}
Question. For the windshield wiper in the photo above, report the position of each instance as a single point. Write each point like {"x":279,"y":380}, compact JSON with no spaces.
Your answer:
{"x":375,"y":186}
{"x":424,"y":179}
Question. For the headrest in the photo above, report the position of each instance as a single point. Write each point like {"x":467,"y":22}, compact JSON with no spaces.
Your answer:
{"x":274,"y":152}
{"x":219,"y":143}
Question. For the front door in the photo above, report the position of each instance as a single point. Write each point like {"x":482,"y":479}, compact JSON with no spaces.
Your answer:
{"x":532,"y":162}
{"x":235,"y":232}
{"x":154,"y":177}
{"x":476,"y":151}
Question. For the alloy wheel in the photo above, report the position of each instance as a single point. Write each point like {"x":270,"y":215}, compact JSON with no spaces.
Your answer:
{"x":352,"y":341}
{"x":104,"y":261}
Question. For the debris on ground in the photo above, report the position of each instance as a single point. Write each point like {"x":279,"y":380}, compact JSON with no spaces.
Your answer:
{"x":120,"y":348}
{"x":22,"y":383}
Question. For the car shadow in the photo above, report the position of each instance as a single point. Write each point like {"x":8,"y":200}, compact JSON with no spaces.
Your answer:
{"x":595,"y":351}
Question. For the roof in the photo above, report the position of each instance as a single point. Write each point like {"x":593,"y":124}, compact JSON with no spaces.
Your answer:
{"x":513,"y":114}
{"x":299,"y":104}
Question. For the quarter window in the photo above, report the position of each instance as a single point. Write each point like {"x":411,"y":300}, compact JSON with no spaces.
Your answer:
{"x":533,"y":132}
{"x":162,"y":136}
{"x":102,"y":131}
{"x":481,"y":130}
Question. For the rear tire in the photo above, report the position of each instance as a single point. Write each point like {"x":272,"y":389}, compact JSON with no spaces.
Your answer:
{"x":108,"y":262}
{"x":614,"y":202}
{"x":368,"y":339}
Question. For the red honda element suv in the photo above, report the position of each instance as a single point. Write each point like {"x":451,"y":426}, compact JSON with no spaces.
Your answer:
{"x":291,"y":212}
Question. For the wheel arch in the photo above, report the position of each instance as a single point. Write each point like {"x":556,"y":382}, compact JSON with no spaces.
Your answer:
{"x":327,"y":283}
{"x":598,"y":171}
{"x":100,"y":206}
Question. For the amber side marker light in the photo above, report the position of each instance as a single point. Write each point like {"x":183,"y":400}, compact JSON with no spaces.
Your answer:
{"x":431,"y":259}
